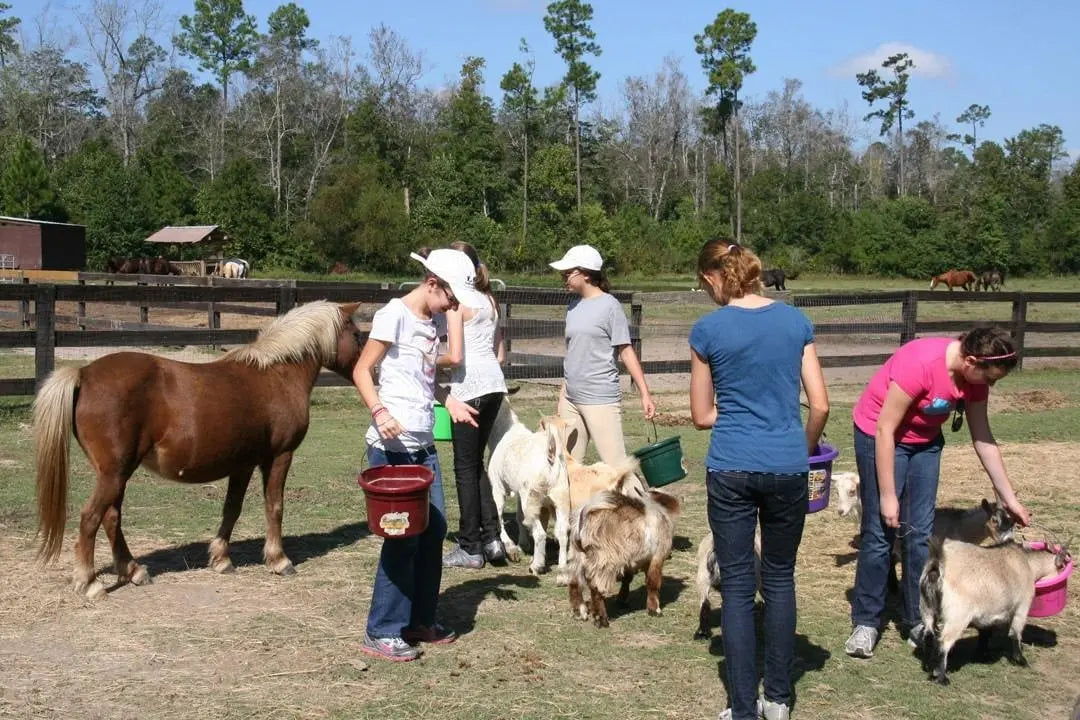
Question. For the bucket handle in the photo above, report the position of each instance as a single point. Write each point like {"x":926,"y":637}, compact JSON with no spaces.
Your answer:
{"x":656,"y":435}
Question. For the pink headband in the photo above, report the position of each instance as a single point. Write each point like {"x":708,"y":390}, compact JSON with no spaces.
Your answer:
{"x":986,"y":358}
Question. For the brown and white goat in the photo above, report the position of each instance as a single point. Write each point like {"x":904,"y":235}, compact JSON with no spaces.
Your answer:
{"x":536,"y":467}
{"x":615,"y":536}
{"x":708,"y":578}
{"x":965,"y":585}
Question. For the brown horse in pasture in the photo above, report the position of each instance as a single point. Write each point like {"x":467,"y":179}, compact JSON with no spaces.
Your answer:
{"x":189,"y":422}
{"x":955,"y":278}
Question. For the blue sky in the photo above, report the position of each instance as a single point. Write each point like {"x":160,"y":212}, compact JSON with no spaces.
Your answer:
{"x":1018,"y":58}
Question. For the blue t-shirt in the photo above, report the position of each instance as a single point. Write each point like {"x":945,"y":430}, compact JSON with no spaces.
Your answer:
{"x":756,"y":361}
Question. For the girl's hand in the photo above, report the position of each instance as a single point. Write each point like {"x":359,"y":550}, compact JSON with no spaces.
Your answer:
{"x":461,"y":412}
{"x":388,"y":427}
{"x":1019,"y":512}
{"x":648,"y":406}
{"x":890,"y":511}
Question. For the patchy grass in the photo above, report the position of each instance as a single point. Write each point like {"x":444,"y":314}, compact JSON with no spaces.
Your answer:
{"x":251,"y":645}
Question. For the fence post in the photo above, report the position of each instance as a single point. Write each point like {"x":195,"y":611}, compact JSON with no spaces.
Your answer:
{"x":80,"y":309}
{"x":286,"y":299}
{"x":24,"y":306}
{"x":1019,"y":317}
{"x":507,"y":335}
{"x":909,"y":314}
{"x":45,"y":332}
{"x":636,"y":309}
{"x":144,"y":310}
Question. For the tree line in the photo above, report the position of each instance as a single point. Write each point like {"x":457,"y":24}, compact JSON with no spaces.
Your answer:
{"x":311,"y":153}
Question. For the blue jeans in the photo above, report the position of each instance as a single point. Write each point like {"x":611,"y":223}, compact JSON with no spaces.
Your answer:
{"x":736,"y":502}
{"x":406,"y":591}
{"x":917,"y":469}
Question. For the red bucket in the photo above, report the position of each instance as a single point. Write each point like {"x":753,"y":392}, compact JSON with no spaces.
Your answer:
{"x":397,"y":499}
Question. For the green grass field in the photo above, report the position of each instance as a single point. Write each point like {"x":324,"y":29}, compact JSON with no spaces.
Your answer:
{"x":251,"y":645}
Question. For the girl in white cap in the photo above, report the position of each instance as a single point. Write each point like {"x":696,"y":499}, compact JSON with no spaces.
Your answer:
{"x":403,"y":345}
{"x":596,"y":332}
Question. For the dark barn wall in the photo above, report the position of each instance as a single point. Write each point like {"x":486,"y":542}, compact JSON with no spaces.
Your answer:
{"x":24,"y":242}
{"x":63,"y":247}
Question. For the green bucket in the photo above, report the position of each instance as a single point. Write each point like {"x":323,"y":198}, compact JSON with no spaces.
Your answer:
{"x":443,"y":424}
{"x":661,"y":461}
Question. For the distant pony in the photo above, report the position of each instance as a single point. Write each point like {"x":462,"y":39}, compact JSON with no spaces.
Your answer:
{"x":235,"y":268}
{"x":339,"y":268}
{"x":992,"y":279}
{"x":161,"y":266}
{"x":955,"y":278}
{"x":773,"y":278}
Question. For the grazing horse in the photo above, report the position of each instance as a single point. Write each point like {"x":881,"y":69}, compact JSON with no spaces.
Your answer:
{"x":955,"y":278}
{"x":773,"y":278}
{"x":161,"y":266}
{"x":339,"y":268}
{"x":127,"y":265}
{"x":992,"y":279}
{"x":235,"y":268}
{"x":189,"y":422}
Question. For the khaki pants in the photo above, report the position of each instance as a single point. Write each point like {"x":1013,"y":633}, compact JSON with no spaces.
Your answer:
{"x":603,"y":424}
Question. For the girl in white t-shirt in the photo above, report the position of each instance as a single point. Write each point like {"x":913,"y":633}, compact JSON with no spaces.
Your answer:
{"x":403,"y":345}
{"x":475,"y":356}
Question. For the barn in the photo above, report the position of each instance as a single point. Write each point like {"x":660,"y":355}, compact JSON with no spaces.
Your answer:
{"x":42,"y":245}
{"x":198,"y":247}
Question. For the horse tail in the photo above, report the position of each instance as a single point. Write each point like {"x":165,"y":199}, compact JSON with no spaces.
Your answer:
{"x":54,"y":410}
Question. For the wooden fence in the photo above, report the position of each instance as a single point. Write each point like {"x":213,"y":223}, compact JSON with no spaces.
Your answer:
{"x":217,"y":295}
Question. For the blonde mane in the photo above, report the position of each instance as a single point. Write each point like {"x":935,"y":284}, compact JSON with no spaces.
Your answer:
{"x":310,"y":330}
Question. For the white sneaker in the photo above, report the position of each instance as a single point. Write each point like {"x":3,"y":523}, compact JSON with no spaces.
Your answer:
{"x":769,"y":710}
{"x":862,"y":641}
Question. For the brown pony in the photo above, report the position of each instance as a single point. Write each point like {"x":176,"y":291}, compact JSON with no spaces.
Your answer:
{"x":954,"y":278}
{"x":189,"y":422}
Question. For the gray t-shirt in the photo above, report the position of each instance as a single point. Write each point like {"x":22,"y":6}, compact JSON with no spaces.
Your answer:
{"x":594,"y":328}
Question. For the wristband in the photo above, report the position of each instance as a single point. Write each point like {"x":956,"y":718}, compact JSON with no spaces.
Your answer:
{"x":378,"y":411}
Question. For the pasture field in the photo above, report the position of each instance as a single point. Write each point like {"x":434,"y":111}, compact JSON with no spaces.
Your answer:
{"x":195,"y":644}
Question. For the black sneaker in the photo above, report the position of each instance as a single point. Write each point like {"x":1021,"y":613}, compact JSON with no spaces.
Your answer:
{"x":495,"y":552}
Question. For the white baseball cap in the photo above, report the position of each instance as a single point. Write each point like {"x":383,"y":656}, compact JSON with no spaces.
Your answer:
{"x":580,"y":256}
{"x":455,"y":269}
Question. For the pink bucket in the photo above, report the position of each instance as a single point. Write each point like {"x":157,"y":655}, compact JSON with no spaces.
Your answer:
{"x":1051,"y":592}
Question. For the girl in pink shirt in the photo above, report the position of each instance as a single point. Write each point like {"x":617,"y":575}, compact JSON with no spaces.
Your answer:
{"x":898,"y":442}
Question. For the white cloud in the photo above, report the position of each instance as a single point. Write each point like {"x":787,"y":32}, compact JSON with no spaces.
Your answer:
{"x":927,"y":64}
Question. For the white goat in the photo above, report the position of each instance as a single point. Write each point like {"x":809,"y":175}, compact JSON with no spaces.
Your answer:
{"x":529,"y":465}
{"x":847,"y":493}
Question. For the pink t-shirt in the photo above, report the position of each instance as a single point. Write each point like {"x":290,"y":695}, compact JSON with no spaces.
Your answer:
{"x":918,"y":367}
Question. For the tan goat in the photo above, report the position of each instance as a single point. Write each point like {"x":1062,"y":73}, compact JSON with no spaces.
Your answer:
{"x":615,"y":536}
{"x":965,"y":585}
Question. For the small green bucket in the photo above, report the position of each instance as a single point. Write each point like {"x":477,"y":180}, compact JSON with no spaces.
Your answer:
{"x":661,"y":461}
{"x":443,"y":424}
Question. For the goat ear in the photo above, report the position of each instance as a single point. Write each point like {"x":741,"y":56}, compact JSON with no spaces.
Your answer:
{"x":986,"y":507}
{"x":553,"y":448}
{"x":571,"y":439}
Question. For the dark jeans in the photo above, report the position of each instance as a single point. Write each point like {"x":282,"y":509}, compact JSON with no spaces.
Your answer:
{"x":406,"y":590}
{"x":736,"y":502}
{"x":479,"y":520}
{"x":916,"y":471}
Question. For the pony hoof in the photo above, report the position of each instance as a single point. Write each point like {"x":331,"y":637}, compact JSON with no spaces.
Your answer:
{"x":656,"y":613}
{"x":223,"y":566}
{"x":141,"y":576}
{"x":285,"y":570}
{"x":538,"y":571}
{"x":93,"y":591}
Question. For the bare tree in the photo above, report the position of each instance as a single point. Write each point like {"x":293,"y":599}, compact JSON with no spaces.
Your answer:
{"x":119,"y":34}
{"x":657,"y":119}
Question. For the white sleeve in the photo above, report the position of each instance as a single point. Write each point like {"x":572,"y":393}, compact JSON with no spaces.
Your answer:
{"x":386,"y":325}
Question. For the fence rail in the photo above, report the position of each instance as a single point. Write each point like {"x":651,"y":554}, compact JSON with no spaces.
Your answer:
{"x":273,"y":297}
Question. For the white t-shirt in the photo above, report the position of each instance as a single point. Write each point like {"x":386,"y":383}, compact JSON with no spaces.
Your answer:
{"x":479,"y":372}
{"x":407,"y":374}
